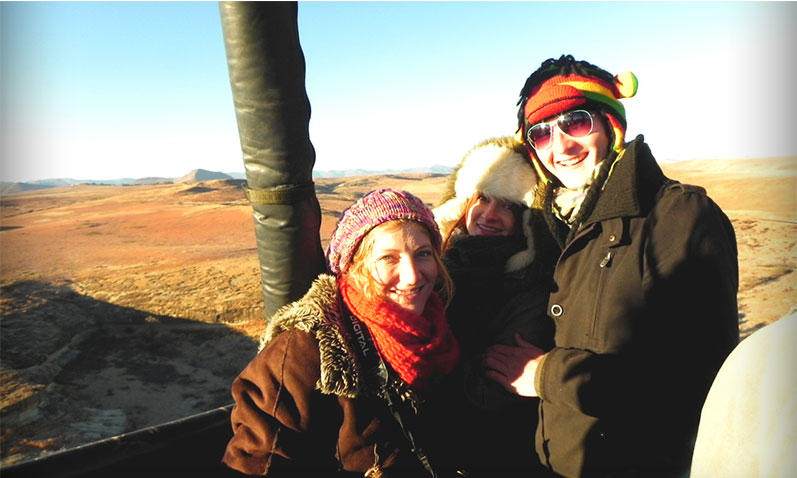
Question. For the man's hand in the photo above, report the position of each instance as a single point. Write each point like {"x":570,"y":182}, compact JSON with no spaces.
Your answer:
{"x":514,"y":366}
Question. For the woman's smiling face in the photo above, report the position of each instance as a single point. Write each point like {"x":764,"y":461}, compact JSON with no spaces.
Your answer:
{"x":403,"y":264}
{"x":490,"y":217}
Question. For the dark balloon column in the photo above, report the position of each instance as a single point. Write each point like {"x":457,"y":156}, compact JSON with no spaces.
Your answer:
{"x":267,"y":75}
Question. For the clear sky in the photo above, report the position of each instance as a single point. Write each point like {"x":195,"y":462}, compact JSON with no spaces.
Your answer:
{"x":101,"y":90}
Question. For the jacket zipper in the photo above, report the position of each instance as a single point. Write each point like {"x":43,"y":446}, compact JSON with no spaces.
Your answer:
{"x":606,"y":260}
{"x":604,"y":266}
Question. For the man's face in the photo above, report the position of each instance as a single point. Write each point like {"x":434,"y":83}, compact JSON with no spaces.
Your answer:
{"x":572,"y":159}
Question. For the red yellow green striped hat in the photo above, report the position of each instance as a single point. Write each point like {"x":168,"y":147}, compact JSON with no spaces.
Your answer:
{"x":567,"y":92}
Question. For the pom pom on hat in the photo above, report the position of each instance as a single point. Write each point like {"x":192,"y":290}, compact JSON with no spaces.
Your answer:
{"x":371,"y":210}
{"x":626,"y":84}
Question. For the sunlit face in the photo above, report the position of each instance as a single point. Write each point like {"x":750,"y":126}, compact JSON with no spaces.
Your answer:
{"x":490,"y":217}
{"x":403,"y":264}
{"x":572,"y":160}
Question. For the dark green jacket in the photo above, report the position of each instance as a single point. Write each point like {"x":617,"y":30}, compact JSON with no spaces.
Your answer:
{"x":645,"y":308}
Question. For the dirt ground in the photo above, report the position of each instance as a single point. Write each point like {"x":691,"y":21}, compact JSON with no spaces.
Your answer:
{"x":760,"y":197}
{"x":126,"y":307}
{"x":123,"y":307}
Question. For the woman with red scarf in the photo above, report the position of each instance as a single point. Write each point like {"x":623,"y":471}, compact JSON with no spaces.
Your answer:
{"x":340,"y":385}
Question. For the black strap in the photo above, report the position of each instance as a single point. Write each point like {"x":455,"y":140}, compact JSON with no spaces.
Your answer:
{"x":374,"y":370}
{"x":283,"y":194}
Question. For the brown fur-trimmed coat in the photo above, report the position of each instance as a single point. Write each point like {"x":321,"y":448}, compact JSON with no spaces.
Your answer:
{"x":303,"y":406}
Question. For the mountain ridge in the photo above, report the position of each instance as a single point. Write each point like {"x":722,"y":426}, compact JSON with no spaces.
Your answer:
{"x":194,"y":176}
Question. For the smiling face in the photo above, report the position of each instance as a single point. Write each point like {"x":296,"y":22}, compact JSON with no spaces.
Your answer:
{"x":402,"y":263}
{"x":572,"y":160}
{"x":490,"y":217}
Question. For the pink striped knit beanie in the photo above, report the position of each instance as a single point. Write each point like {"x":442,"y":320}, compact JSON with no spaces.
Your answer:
{"x":371,"y":210}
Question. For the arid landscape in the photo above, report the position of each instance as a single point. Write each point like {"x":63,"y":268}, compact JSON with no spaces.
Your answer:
{"x":128,"y":306}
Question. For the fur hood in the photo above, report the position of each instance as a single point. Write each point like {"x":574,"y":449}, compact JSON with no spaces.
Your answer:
{"x":318,"y":314}
{"x":496,"y":167}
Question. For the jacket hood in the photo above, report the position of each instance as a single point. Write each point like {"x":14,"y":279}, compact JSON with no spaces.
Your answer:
{"x":498,"y":168}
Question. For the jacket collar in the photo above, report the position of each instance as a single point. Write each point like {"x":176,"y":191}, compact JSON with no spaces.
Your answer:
{"x":318,"y":314}
{"x":633,"y":183}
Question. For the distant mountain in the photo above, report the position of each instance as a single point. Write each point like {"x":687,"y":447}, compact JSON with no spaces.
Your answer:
{"x":150,"y":181}
{"x":346,"y":173}
{"x":16,"y":188}
{"x":64,"y":182}
{"x":199,"y":175}
{"x":55,"y":183}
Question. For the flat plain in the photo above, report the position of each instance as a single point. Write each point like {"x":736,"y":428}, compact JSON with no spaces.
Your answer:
{"x":129,"y":306}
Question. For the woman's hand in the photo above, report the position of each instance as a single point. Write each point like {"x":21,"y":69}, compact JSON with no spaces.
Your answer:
{"x":514,"y":366}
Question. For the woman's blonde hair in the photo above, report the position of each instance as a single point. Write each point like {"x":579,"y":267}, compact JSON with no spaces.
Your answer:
{"x":359,"y":270}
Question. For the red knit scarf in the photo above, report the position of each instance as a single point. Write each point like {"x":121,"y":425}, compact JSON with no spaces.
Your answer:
{"x":418,"y":347}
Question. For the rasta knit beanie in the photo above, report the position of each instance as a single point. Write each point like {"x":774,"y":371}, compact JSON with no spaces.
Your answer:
{"x":371,"y":210}
{"x":563,"y":93}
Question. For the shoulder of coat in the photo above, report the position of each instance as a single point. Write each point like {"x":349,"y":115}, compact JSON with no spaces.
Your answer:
{"x":318,"y":314}
{"x":312,"y":311}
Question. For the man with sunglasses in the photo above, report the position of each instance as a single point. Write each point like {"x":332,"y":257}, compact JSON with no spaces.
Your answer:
{"x":643,"y":292}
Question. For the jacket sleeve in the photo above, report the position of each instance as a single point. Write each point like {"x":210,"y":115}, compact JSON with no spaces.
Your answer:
{"x":275,"y":406}
{"x":523,"y":314}
{"x":685,"y":327}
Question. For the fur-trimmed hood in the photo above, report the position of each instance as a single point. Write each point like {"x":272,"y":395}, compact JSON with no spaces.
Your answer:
{"x":498,"y":168}
{"x":318,"y":313}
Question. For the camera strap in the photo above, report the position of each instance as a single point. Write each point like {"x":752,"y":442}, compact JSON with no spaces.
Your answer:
{"x":373,"y":369}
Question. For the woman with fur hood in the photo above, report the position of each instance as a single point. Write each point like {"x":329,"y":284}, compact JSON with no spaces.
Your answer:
{"x":499,"y":273}
{"x":341,"y":380}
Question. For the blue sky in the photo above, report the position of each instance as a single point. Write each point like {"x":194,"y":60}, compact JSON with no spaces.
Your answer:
{"x":101,"y":90}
